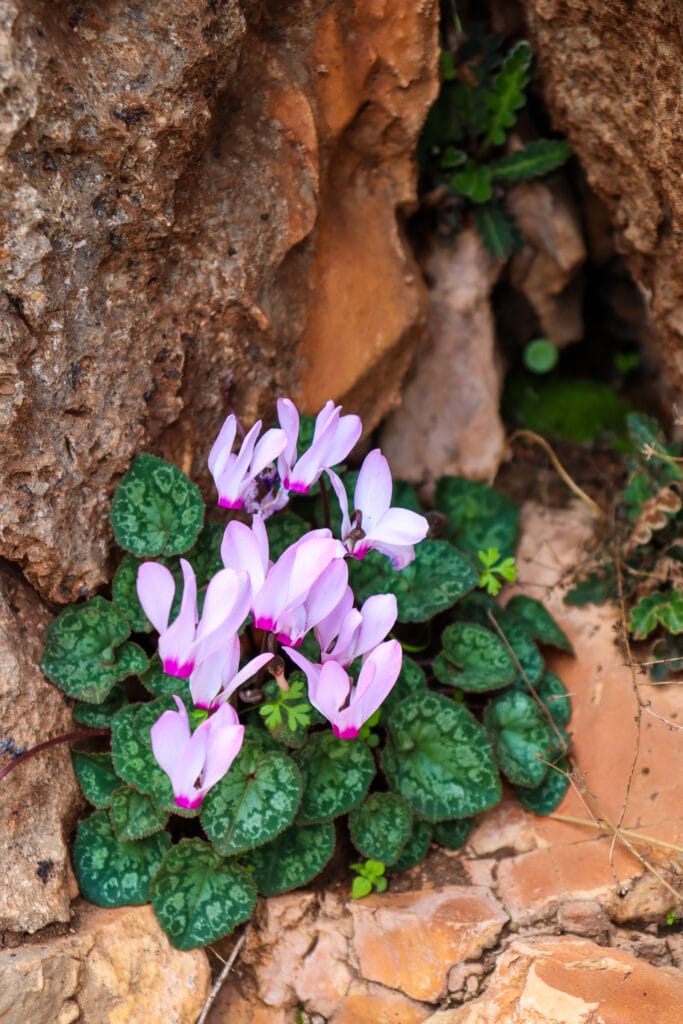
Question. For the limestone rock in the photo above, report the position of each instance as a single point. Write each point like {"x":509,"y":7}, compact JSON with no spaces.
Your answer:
{"x":202,"y":201}
{"x":39,"y":799}
{"x":448,"y":421}
{"x":623,"y":122}
{"x":118,"y":968}
{"x":572,"y":981}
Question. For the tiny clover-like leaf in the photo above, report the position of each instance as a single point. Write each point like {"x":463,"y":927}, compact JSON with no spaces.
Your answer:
{"x":156,"y":510}
{"x":360,"y":887}
{"x":96,"y":777}
{"x":660,"y":608}
{"x":336,"y":774}
{"x":547,"y":797}
{"x":473,"y":658}
{"x":254,"y":802}
{"x":85,"y":652}
{"x":111,"y":873}
{"x":411,"y":679}
{"x":134,"y":816}
{"x":100,"y":716}
{"x":452,"y":834}
{"x":523,"y":738}
{"x":199,"y":896}
{"x":381,"y":827}
{"x":437,"y":578}
{"x":416,"y":848}
{"x":287,"y":714}
{"x":478,"y":517}
{"x":538,"y":622}
{"x":439,"y":759}
{"x":292,"y":859}
{"x":553,"y":693}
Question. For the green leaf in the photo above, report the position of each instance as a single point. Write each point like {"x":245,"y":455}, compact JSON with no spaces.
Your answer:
{"x":474,"y":182}
{"x":669,"y":651}
{"x":288,"y":714}
{"x":254,"y":802}
{"x":284,"y":529}
{"x":411,"y":679}
{"x":592,"y":589}
{"x":525,"y":650}
{"x":125,"y":594}
{"x":523,"y":738}
{"x":478,"y":516}
{"x":198,"y":896}
{"x":439,"y":759}
{"x":96,"y":776}
{"x":205,"y":555}
{"x":293,"y":859}
{"x":533,"y":161}
{"x":336,"y":774}
{"x":134,"y":816}
{"x":473,"y":658}
{"x":507,"y":96}
{"x":549,"y":795}
{"x":665,"y":609}
{"x":645,"y":433}
{"x":415,"y":849}
{"x":538,"y":622}
{"x":156,"y":682}
{"x":540,"y":355}
{"x":114,"y":874}
{"x":360,"y":887}
{"x":497,"y":229}
{"x":100,"y":716}
{"x":156,"y":509}
{"x":381,"y":827}
{"x":453,"y":834}
{"x":447,"y":66}
{"x":452,"y":158}
{"x":553,"y":693}
{"x":434,"y":581}
{"x":85,"y":652}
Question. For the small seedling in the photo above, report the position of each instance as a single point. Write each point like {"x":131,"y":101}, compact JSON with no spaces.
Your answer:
{"x":495,"y":570}
{"x":370,"y":875}
{"x":290,"y":702}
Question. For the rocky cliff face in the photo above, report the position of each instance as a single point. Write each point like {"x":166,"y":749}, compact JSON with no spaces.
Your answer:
{"x":197,"y":198}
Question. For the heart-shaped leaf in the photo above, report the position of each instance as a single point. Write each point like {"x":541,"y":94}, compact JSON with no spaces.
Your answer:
{"x":336,"y":774}
{"x":416,"y":848}
{"x":452,"y":834}
{"x":411,"y":679}
{"x":473,"y":658}
{"x":254,"y":802}
{"x":538,"y":622}
{"x":381,"y":827}
{"x":437,"y":578}
{"x":553,"y":693}
{"x":85,"y":652}
{"x":156,"y":509}
{"x":198,"y":896}
{"x":124,"y":592}
{"x":156,"y":682}
{"x":550,"y":794}
{"x":134,"y":815}
{"x":96,"y":776}
{"x":523,"y":738}
{"x":100,"y":716}
{"x":111,"y":873}
{"x":523,"y":647}
{"x":293,"y":859}
{"x":440,"y":759}
{"x":478,"y":517}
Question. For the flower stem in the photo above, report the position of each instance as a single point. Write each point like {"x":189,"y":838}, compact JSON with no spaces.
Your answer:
{"x":67,"y":737}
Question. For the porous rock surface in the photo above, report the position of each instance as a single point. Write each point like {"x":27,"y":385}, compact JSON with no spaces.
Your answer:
{"x":39,"y":798}
{"x":612,"y":78}
{"x":117,"y":968}
{"x":194,"y":195}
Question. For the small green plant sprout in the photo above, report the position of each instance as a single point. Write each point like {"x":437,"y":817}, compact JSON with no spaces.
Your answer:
{"x":672,"y":918}
{"x":540,"y":355}
{"x":366,"y":733}
{"x":291,"y":703}
{"x":369,"y":876}
{"x":496,"y":569}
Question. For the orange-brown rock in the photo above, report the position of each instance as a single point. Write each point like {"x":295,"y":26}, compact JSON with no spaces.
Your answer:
{"x":572,"y":981}
{"x":612,"y":78}
{"x":195,"y":195}
{"x":118,"y":968}
{"x":39,"y":798}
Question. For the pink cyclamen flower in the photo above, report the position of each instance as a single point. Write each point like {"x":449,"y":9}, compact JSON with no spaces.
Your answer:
{"x":334,"y":436}
{"x":246,"y":549}
{"x":216,"y":678}
{"x":345,"y":706}
{"x":196,"y":761}
{"x":374,"y":524}
{"x":234,"y":473}
{"x":188,"y":639}
{"x":347,"y":633}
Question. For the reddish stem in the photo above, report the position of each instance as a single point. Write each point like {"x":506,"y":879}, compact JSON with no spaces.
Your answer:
{"x":80,"y":734}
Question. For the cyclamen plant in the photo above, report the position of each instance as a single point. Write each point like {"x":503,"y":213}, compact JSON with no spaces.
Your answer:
{"x":279,"y":695}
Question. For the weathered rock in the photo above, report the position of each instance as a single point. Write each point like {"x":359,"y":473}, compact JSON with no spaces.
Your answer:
{"x":546,"y":270}
{"x":449,"y":420}
{"x":198,"y":188}
{"x":572,"y":981}
{"x":119,"y":967}
{"x":39,"y":798}
{"x":624,"y":126}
